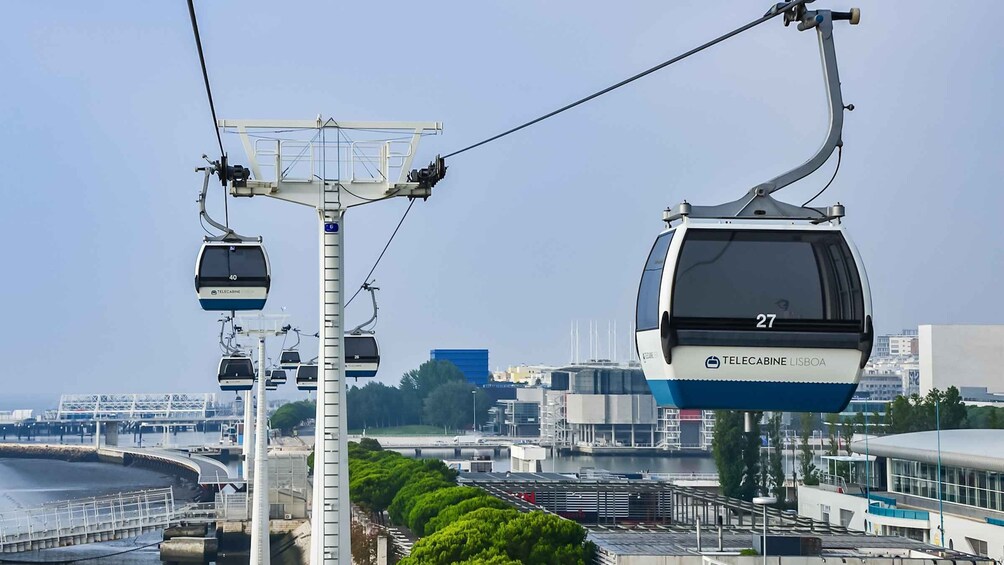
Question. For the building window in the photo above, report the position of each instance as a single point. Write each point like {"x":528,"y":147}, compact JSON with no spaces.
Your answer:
{"x":971,"y":487}
{"x":978,"y":546}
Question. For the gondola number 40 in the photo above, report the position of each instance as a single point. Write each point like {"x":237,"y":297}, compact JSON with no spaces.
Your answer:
{"x":765,"y":320}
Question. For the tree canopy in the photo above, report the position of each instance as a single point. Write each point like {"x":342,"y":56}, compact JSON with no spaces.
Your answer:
{"x":459,"y":524}
{"x":289,"y":416}
{"x":737,"y":454}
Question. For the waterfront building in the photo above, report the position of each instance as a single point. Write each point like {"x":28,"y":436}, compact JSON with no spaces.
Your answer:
{"x":473,"y":363}
{"x":964,"y":510}
{"x":961,"y":356}
{"x":604,"y":407}
{"x":519,"y":417}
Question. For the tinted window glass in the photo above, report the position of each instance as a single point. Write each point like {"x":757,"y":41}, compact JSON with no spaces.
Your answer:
{"x":799,"y":277}
{"x":289,"y":357}
{"x":648,"y":290}
{"x":363,"y":346}
{"x":221,"y":261}
{"x":307,"y":373}
{"x":237,"y":368}
{"x":278,"y":375}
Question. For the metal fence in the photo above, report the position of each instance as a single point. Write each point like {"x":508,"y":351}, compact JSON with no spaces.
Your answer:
{"x":110,"y":517}
{"x":86,"y":520}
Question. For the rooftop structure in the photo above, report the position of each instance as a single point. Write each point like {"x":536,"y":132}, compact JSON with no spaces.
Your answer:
{"x":951,"y":497}
{"x":635,"y":522}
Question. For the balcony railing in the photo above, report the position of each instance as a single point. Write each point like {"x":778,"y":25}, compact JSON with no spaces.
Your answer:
{"x":899,"y":513}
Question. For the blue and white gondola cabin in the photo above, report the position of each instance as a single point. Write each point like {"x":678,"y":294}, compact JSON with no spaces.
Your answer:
{"x":306,"y":377}
{"x":362,"y":356}
{"x":754,"y":315}
{"x":289,"y":359}
{"x":232,"y":275}
{"x":236,"y":372}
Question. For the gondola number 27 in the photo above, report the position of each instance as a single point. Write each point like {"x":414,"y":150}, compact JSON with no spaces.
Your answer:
{"x":765,"y":320}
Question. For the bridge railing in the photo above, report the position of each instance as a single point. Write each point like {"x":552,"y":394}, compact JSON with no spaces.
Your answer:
{"x":88,"y":517}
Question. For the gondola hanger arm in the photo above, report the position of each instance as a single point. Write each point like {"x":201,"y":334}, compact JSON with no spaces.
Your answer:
{"x":758,"y":202}
{"x":228,"y":233}
{"x":822,"y":21}
{"x":358,"y":330}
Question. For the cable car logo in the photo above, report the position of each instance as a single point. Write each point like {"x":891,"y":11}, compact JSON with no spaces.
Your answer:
{"x":330,"y":227}
{"x":712,"y":362}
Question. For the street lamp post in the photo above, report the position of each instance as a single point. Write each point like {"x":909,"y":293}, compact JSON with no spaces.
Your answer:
{"x":764,"y":501}
{"x":474,"y":398}
{"x":941,"y":504}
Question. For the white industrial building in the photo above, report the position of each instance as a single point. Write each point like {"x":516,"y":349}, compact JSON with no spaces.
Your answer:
{"x":905,"y":496}
{"x":961,"y":356}
{"x":609,"y":408}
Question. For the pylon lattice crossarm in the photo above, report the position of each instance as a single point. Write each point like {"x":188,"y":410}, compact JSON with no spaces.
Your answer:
{"x":339,"y":164}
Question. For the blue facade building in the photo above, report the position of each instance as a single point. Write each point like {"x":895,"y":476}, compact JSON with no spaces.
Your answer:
{"x":473,"y":363}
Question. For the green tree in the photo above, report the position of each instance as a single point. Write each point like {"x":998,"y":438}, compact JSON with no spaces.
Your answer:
{"x":473,"y":535}
{"x":430,"y":504}
{"x":900,"y":415}
{"x":751,"y":459}
{"x":536,"y":538}
{"x":417,"y":485}
{"x":775,"y":463}
{"x":370,"y":444}
{"x":450,"y":405}
{"x":953,"y":410}
{"x":375,"y":405}
{"x":832,"y":422}
{"x":453,"y":513}
{"x":807,"y":466}
{"x":289,"y":416}
{"x":993,"y":420}
{"x":727,"y":447}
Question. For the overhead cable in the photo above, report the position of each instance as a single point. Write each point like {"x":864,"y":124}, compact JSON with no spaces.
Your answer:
{"x":368,"y":275}
{"x":774,"y":12}
{"x":205,"y":73}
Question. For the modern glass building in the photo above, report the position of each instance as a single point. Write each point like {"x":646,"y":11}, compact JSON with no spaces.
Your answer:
{"x":473,"y":363}
{"x":951,"y":496}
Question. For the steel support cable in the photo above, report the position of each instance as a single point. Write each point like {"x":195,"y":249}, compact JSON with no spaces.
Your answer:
{"x":205,"y":73}
{"x":368,"y":275}
{"x":209,"y":94}
{"x":840,"y":154}
{"x":773,"y":13}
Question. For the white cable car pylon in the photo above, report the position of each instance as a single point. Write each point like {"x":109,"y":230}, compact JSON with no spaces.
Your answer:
{"x":758,"y":304}
{"x":364,"y":172}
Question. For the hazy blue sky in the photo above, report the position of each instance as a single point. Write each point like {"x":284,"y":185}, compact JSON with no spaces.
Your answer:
{"x":103,"y":118}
